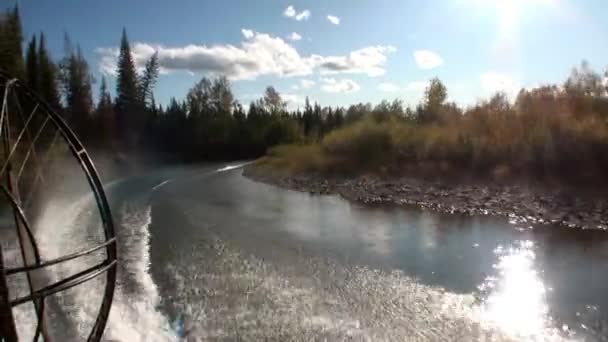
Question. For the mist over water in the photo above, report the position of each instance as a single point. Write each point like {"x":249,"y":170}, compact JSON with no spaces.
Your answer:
{"x":206,"y":254}
{"x":66,"y":227}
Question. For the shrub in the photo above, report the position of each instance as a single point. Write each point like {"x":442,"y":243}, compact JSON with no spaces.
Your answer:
{"x":365,"y":143}
{"x":547,"y":132}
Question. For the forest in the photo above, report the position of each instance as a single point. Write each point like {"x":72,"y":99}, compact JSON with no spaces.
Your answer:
{"x":551,"y":131}
{"x":207,"y":124}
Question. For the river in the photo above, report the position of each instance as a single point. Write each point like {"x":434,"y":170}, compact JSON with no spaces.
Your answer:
{"x":208,"y":254}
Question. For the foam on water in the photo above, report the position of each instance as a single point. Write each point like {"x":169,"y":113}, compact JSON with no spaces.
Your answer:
{"x":64,"y":228}
{"x":69,"y":224}
{"x":231,"y":167}
{"x":136,"y":317}
{"x":159,"y":185}
{"x":227,"y":295}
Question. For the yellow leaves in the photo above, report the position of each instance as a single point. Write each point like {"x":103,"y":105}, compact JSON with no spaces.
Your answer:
{"x":500,"y":141}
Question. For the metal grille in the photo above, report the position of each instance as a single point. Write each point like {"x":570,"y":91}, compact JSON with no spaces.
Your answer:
{"x":33,"y":136}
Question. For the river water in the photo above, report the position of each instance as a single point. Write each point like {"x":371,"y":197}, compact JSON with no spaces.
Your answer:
{"x":207,"y":254}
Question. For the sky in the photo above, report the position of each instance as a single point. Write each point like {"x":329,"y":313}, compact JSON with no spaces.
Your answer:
{"x":335,"y":52}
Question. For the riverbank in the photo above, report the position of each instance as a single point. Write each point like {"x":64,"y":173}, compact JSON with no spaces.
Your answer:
{"x":523,"y":204}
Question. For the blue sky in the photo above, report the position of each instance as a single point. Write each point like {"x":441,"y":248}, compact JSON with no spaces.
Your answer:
{"x":348,"y":50}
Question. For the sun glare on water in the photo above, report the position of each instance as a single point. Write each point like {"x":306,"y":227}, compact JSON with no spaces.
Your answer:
{"x":516,"y":301}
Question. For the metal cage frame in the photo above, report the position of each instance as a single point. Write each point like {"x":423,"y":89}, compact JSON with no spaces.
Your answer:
{"x":8,"y":86}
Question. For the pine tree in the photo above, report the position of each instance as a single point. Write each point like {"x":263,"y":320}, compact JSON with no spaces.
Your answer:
{"x":127,"y":106}
{"x":32,"y":65}
{"x":11,"y":37}
{"x":105,"y":100}
{"x":105,"y":116}
{"x":126,"y":81}
{"x":148,"y":80}
{"x":48,"y":76}
{"x":76,"y":84}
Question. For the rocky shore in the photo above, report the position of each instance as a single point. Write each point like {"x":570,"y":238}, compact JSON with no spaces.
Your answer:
{"x":524,"y":205}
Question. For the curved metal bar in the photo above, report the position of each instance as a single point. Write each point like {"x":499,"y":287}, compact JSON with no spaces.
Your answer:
{"x":23,"y":219}
{"x":14,"y":148}
{"x":37,"y":180}
{"x":32,"y":144}
{"x":7,"y":85}
{"x":67,"y":283}
{"x":10,"y":271}
{"x":20,"y":216}
{"x":102,"y":204}
{"x":7,"y":325}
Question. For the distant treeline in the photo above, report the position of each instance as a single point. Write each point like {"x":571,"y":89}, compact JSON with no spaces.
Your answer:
{"x":550,"y":133}
{"x":207,"y":124}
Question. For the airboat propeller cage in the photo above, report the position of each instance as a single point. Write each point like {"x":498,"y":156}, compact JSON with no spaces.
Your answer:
{"x":24,"y":117}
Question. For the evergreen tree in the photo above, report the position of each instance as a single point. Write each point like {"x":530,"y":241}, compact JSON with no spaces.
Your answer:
{"x":339,"y":117}
{"x":105,"y":99}
{"x":11,"y":37}
{"x":317,"y":122}
{"x":307,"y":118}
{"x":148,"y":80}
{"x":76,"y":84}
{"x":48,"y":76}
{"x":32,"y":65}
{"x":127,"y":95}
{"x":105,"y":116}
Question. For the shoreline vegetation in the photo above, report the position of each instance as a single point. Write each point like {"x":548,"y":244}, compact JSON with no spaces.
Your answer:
{"x":542,"y":152}
{"x":541,"y":158}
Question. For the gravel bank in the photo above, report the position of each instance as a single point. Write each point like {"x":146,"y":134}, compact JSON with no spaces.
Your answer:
{"x":525,"y":206}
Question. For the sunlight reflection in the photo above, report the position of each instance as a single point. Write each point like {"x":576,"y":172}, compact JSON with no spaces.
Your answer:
{"x":516,"y":299}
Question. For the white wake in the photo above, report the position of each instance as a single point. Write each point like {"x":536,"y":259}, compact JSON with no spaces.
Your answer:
{"x":66,"y":227}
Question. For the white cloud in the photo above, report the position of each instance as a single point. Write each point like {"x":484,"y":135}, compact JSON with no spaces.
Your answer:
{"x":333,"y":19}
{"x":247,"y":33}
{"x":294,"y":36}
{"x":259,"y":54}
{"x":107,"y":63}
{"x":426,"y":59}
{"x":492,"y":82}
{"x":290,"y":12}
{"x":388,"y":87}
{"x":331,"y":85}
{"x":369,"y":60}
{"x":305,"y":14}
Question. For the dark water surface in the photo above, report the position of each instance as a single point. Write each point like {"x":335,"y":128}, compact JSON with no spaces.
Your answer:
{"x":243,"y":259}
